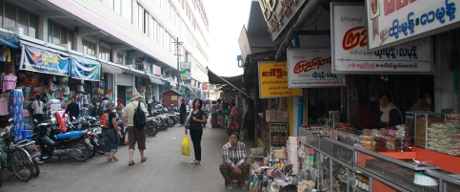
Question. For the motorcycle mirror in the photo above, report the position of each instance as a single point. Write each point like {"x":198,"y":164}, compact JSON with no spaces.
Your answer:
{"x":10,"y":120}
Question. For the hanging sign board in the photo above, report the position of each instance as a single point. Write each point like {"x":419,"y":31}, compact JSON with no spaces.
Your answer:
{"x":43,"y":61}
{"x":273,"y":81}
{"x":85,"y":69}
{"x":349,"y":47}
{"x":309,"y":68}
{"x":393,"y":22}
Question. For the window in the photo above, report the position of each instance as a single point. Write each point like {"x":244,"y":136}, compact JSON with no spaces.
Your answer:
{"x":146,"y":22}
{"x":89,"y":47}
{"x":119,"y":58}
{"x":104,"y":53}
{"x":15,"y":17}
{"x":127,"y":10}
{"x":140,"y":17}
{"x":57,"y":33}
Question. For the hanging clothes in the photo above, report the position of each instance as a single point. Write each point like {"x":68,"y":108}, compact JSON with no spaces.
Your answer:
{"x":4,"y":101}
{"x":9,"y":82}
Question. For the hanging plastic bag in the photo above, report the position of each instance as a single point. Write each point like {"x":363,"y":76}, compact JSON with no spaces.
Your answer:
{"x":186,"y":145}
{"x":126,"y":138}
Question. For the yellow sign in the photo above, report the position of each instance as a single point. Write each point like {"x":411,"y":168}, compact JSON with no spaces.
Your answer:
{"x":273,"y":81}
{"x":173,"y":97}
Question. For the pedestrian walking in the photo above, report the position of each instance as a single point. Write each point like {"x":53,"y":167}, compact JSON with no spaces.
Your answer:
{"x":111,"y":133}
{"x":198,"y":117}
{"x":233,"y":111}
{"x":73,"y":109}
{"x":135,"y":134}
{"x":120,"y":107}
{"x":37,"y":110}
{"x":213,"y":111}
{"x":182,"y":111}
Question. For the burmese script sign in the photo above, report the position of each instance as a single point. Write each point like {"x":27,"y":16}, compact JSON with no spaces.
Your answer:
{"x":394,"y":22}
{"x":278,"y":14}
{"x":350,"y":54}
{"x":309,"y":68}
{"x":273,"y":81}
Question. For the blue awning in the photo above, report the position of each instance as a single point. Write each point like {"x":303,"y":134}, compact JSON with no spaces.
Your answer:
{"x":9,"y":39}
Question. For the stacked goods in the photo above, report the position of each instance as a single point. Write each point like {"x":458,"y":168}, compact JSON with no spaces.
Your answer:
{"x":444,"y":137}
{"x":292,"y":154}
{"x":367,"y":140}
{"x":420,"y":131}
{"x":454,"y":117}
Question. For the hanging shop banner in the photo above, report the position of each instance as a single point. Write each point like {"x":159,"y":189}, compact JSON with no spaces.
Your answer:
{"x":278,"y":14}
{"x":309,"y":68}
{"x":273,"y":81}
{"x":85,"y":69}
{"x":185,"y":74}
{"x":43,"y":61}
{"x":350,"y":54}
{"x":393,"y":22}
{"x":156,"y":70}
{"x":205,"y":86}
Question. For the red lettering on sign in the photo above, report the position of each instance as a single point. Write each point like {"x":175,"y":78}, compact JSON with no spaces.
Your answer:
{"x":354,"y":37}
{"x":389,"y":6}
{"x":274,"y":72}
{"x":305,"y":66}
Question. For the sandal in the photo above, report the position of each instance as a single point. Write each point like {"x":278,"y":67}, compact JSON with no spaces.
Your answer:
{"x":114,"y":159}
{"x":144,"y":159}
{"x":131,"y":163}
{"x":195,"y":162}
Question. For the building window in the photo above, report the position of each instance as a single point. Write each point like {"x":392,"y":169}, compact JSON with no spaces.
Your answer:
{"x":119,"y":58}
{"x":57,"y":33}
{"x":104,"y":53}
{"x":127,"y":10}
{"x":16,"y":17}
{"x":89,"y":47}
{"x":140,"y":17}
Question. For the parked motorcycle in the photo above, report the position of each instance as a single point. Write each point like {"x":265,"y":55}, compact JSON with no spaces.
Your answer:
{"x":53,"y":143}
{"x":152,"y":127}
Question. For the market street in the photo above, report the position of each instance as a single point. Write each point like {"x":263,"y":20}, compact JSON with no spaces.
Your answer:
{"x":165,"y":170}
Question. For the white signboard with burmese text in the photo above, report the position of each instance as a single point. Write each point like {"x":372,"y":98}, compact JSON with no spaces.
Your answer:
{"x":393,"y":22}
{"x":309,"y":68}
{"x":350,"y":54}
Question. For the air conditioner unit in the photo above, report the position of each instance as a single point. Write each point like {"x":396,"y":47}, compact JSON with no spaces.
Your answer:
{"x":17,"y":30}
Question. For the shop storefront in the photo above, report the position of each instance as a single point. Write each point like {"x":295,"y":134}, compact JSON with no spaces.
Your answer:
{"x":338,"y":148}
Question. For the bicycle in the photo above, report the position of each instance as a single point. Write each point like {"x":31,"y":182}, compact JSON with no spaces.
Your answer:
{"x":16,"y":159}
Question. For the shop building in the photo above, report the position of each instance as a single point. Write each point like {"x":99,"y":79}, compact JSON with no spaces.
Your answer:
{"x":101,"y":49}
{"x":341,"y":56}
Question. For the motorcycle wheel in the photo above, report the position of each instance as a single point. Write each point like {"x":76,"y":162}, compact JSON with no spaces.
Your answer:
{"x":150,"y":130}
{"x":36,"y":168}
{"x":83,"y":151}
{"x":20,"y":165}
{"x":100,"y":150}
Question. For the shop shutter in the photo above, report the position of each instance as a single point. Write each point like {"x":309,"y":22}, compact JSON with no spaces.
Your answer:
{"x":125,"y":80}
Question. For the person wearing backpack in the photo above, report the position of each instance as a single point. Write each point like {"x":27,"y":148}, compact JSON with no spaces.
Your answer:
{"x":110,"y":132}
{"x":134,"y":117}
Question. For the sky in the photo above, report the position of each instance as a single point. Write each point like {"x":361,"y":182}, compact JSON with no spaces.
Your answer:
{"x":226,"y":19}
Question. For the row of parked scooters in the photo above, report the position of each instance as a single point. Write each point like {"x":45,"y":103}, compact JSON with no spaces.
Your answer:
{"x":80,"y":140}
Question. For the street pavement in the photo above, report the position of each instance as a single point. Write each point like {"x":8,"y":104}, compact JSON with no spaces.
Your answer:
{"x":165,"y":170}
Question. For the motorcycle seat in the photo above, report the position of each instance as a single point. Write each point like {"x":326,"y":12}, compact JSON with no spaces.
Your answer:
{"x":44,"y":124}
{"x":69,"y":134}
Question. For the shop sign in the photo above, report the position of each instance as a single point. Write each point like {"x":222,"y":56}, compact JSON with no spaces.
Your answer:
{"x":156,"y":70}
{"x":308,"y":68}
{"x":393,"y":22}
{"x":204,"y":86}
{"x":185,"y":74}
{"x":43,"y":61}
{"x":350,"y":53}
{"x":85,"y":70}
{"x":279,"y":13}
{"x":273,"y":81}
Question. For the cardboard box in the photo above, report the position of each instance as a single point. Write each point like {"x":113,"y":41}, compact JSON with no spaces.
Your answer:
{"x":270,"y":116}
{"x":284,"y":116}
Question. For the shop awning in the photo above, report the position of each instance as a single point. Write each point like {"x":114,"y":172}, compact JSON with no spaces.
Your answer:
{"x":8,"y":39}
{"x":108,"y":68}
{"x":216,"y":79}
{"x":155,"y":80}
{"x":236,"y":81}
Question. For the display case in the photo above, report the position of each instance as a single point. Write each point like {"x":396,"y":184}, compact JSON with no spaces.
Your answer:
{"x":278,"y":134}
{"x":418,"y":122}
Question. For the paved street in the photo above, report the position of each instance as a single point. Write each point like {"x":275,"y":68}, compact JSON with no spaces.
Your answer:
{"x":165,"y":170}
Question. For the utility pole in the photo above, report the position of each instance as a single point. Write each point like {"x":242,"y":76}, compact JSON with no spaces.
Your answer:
{"x":178,"y":43}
